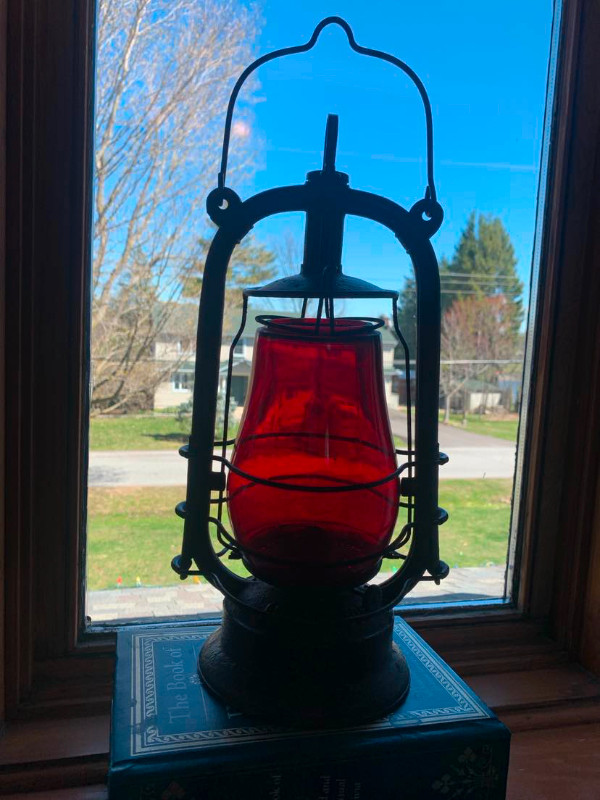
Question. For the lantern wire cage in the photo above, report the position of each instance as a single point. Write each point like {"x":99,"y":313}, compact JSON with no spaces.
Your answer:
{"x":325,"y":317}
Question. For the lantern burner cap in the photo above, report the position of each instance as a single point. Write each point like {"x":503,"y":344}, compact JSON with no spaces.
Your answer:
{"x":337,"y":285}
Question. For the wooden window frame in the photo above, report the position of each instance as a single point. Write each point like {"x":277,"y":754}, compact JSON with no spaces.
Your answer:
{"x":48,"y":669}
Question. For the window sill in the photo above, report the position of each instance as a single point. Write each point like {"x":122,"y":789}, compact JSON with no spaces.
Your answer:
{"x":545,"y":764}
{"x":551,"y":706}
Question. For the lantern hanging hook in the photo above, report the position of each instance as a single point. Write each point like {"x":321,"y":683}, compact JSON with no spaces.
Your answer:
{"x":430,"y":193}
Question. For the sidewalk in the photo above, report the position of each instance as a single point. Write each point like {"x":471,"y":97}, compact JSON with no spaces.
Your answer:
{"x":187,"y":599}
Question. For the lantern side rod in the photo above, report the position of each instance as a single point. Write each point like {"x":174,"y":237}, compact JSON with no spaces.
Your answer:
{"x":225,"y":442}
{"x":424,"y":553}
{"x":400,"y":336}
{"x":196,"y":543}
{"x":430,"y":192}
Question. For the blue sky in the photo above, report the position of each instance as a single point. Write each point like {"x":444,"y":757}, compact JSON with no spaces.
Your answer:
{"x":484,"y":65}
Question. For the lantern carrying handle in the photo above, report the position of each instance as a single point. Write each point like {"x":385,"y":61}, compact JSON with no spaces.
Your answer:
{"x":430,"y":193}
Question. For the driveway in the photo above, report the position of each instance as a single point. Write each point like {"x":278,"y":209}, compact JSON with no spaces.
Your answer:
{"x":451,"y":436}
{"x":471,"y":454}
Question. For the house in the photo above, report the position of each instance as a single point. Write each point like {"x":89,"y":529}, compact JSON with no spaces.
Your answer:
{"x":475,"y":395}
{"x":511,"y":387}
{"x":174,"y":351}
{"x":177,"y":335}
{"x":175,"y":345}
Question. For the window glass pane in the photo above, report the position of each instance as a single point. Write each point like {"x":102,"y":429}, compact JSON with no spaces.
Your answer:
{"x":163,"y":75}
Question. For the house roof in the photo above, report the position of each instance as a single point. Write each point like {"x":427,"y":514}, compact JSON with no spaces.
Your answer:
{"x":186,"y":366}
{"x":252,"y":325}
{"x":237,"y":362}
{"x":182,"y":320}
{"x":474,"y":385}
{"x":387,"y":336}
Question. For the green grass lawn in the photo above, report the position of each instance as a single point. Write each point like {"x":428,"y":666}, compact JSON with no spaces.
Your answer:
{"x":149,"y":432}
{"x":143,"y":432}
{"x":487,"y":425}
{"x":166,"y":432}
{"x":476,"y":534}
{"x":134,"y":533}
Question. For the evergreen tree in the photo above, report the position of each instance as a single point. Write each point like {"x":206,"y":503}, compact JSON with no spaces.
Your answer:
{"x":407,"y":318}
{"x":483,"y":265}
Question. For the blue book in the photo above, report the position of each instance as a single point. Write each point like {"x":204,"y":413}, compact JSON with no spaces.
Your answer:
{"x":172,"y":740}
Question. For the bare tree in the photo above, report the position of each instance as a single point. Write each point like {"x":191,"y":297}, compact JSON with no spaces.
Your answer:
{"x":476,"y":333}
{"x":164,"y":72}
{"x":289,"y":253}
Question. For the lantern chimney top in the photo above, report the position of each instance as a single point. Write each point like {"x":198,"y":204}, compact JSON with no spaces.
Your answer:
{"x":331,"y":136}
{"x":328,"y":172}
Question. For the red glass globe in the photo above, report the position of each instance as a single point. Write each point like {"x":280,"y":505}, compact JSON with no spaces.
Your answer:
{"x":315,"y":417}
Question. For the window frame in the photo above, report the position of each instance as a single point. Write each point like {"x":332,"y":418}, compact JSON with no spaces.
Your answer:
{"x":49,"y":667}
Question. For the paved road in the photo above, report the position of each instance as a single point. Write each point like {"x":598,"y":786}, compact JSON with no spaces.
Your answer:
{"x":137,"y":468}
{"x":495,"y":459}
{"x":451,"y":436}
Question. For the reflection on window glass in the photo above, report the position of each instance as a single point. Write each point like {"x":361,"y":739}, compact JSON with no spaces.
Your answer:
{"x":163,"y":76}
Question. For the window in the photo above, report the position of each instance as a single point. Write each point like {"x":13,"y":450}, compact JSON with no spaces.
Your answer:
{"x":45,"y":311}
{"x":182,"y":381}
{"x":485,"y":297}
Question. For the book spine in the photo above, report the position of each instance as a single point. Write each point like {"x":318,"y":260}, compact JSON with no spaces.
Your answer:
{"x":462,"y":768}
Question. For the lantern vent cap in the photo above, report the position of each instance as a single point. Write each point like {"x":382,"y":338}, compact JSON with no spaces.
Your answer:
{"x":321,"y":271}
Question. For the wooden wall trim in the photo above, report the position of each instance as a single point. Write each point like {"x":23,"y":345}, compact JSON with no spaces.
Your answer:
{"x":583,"y":622}
{"x":20,"y":127}
{"x":49,"y":134}
{"x":544,"y":470}
{"x":74,"y":752}
{"x":3,"y":200}
{"x":565,"y":427}
{"x":576,"y":353}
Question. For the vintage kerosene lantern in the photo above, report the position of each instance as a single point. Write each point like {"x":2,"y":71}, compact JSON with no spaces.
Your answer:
{"x":314,"y":485}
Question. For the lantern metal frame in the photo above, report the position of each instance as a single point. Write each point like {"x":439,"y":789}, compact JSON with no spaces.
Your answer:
{"x":326,"y":199}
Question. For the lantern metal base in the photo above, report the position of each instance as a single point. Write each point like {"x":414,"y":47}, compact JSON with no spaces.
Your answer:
{"x":304,"y":662}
